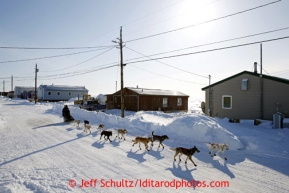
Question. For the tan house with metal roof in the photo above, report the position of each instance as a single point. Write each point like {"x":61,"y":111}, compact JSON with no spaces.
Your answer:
{"x":143,"y":99}
{"x":239,"y":97}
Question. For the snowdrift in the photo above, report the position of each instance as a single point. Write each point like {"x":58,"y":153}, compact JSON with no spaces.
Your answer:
{"x":188,"y":126}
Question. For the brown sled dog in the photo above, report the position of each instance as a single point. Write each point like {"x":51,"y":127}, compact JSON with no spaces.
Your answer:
{"x":187,"y":152}
{"x":143,"y":140}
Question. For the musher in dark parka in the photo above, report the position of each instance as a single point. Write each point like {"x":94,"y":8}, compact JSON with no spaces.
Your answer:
{"x":66,"y":114}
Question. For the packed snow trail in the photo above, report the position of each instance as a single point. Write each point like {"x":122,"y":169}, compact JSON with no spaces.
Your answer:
{"x":41,"y":153}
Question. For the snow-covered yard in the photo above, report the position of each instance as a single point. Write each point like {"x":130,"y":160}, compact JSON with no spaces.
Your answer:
{"x":41,"y":153}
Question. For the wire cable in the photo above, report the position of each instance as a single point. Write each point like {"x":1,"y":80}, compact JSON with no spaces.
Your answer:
{"x":168,"y":64}
{"x":80,"y":73}
{"x":151,"y":13}
{"x":42,"y":48}
{"x":81,"y":62}
{"x":263,"y":69}
{"x":230,"y":15}
{"x":22,"y":60}
{"x":204,"y":51}
{"x":168,"y":76}
{"x":166,"y":19}
{"x":222,"y":41}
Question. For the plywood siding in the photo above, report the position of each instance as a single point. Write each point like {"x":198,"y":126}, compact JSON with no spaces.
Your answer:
{"x":245,"y":103}
{"x":275,"y":92}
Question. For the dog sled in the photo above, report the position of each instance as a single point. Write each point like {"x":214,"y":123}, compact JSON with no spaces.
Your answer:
{"x":66,"y":114}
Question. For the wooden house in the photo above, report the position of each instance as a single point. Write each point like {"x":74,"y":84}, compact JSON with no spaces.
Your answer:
{"x":143,"y":99}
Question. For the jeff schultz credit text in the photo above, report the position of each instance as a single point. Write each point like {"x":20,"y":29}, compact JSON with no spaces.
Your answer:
{"x":146,"y":183}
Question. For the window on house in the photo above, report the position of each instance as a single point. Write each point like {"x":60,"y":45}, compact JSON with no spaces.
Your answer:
{"x":58,"y":92}
{"x":49,"y":93}
{"x":179,"y":101}
{"x":226,"y":102}
{"x":69,"y":93}
{"x":115,"y":99}
{"x":244,"y":84}
{"x":165,"y":102}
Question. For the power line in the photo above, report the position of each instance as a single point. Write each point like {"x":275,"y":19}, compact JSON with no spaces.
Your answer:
{"x":132,"y":22}
{"x":263,"y":69}
{"x":166,"y":19}
{"x":222,"y":41}
{"x":152,"y":13}
{"x":280,"y":72}
{"x":167,"y":76}
{"x":168,"y":64}
{"x":51,"y":48}
{"x":69,"y":73}
{"x":22,"y":60}
{"x":81,"y":62}
{"x":203,"y":22}
{"x":86,"y":70}
{"x":81,"y":71}
{"x":199,"y":52}
{"x":78,"y":73}
{"x":4,"y":77}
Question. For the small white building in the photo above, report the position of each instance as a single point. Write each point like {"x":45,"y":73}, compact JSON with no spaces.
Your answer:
{"x":19,"y":91}
{"x":60,"y":92}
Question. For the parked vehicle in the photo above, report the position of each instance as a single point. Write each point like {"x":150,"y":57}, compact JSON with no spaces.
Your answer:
{"x":93,"y":105}
{"x":85,"y":97}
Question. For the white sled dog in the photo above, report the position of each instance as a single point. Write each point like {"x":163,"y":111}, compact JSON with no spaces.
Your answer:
{"x":218,"y":147}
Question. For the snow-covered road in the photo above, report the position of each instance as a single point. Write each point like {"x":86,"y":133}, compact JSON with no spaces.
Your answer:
{"x":41,"y":153}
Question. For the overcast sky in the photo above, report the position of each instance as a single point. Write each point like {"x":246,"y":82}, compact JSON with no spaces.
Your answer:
{"x":95,"y":23}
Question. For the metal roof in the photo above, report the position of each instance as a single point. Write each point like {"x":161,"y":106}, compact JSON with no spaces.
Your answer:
{"x":283,"y":80}
{"x":63,"y":87}
{"x":145,"y":91}
{"x":25,"y":87}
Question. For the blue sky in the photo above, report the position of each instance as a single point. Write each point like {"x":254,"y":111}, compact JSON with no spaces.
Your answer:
{"x":71,"y":23}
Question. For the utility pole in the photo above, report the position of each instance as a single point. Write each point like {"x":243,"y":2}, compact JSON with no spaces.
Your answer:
{"x":121,"y":73}
{"x":35,"y":96}
{"x":261,"y":83}
{"x":12,"y":84}
{"x":3,"y":85}
{"x":210,"y":97}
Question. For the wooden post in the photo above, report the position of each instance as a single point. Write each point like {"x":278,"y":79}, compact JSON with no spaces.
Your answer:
{"x":121,"y":74}
{"x":35,"y":95}
{"x":261,"y":84}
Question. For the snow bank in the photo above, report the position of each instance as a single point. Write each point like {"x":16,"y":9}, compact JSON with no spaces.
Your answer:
{"x":190,"y":127}
{"x":200,"y":128}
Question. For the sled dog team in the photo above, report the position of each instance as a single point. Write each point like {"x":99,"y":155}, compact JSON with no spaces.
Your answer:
{"x":145,"y":140}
